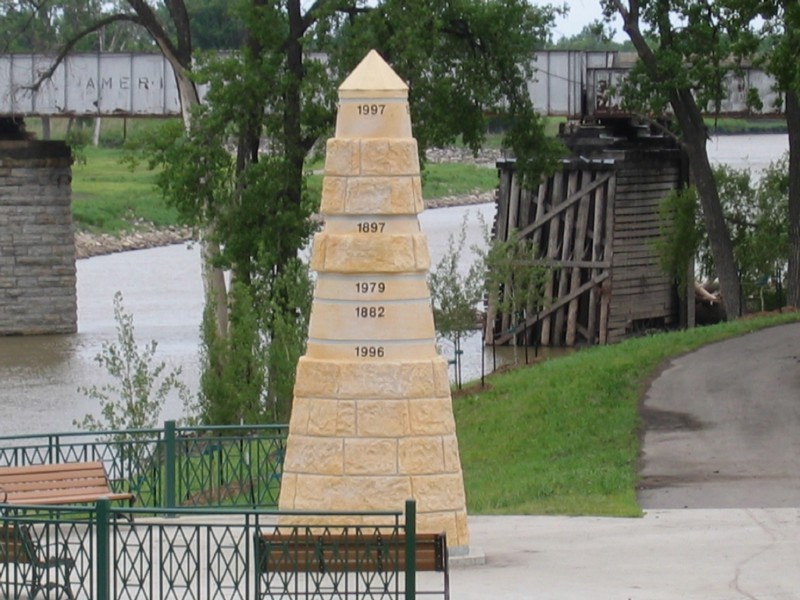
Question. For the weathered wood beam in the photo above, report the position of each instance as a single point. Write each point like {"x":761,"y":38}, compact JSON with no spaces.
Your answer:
{"x":571,"y":200}
{"x":547,"y":312}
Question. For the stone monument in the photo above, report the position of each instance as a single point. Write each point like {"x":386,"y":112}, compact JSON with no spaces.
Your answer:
{"x":372,"y":420}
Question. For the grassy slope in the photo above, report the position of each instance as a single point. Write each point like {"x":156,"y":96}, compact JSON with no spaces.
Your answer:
{"x":563,"y":436}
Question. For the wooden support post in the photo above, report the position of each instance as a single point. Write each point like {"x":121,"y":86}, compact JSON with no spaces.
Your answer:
{"x":597,"y":255}
{"x":540,"y":204}
{"x":500,"y":232}
{"x":609,"y":257}
{"x":579,"y":253}
{"x":552,"y":253}
{"x":566,"y":254}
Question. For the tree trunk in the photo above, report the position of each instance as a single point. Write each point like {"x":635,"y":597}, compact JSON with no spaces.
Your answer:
{"x":179,"y":56}
{"x":213,"y":277}
{"x":292,"y":126}
{"x":45,"y":127}
{"x":793,"y":276}
{"x":694,"y":139}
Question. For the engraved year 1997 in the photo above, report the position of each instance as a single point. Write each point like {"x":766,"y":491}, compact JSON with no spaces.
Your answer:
{"x":370,"y":110}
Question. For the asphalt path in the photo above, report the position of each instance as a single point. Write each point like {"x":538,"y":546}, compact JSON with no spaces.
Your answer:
{"x":723,"y":426}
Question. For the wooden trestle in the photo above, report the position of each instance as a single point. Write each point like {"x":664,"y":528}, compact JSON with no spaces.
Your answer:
{"x":594,"y":224}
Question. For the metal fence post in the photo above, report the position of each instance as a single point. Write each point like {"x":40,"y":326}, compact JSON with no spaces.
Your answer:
{"x":170,"y":447}
{"x":411,"y":549}
{"x":103,"y":532}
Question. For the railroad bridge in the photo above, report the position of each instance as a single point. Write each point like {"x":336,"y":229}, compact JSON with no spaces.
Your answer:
{"x":37,"y":257}
{"x":573,"y":84}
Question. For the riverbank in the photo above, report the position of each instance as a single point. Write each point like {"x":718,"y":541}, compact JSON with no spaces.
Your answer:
{"x":146,"y":236}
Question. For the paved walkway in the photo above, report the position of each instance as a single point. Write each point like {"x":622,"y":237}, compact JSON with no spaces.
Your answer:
{"x":725,"y":443}
{"x":693,"y":554}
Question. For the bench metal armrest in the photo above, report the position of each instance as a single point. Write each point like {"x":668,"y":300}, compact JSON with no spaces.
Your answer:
{"x":3,"y":495}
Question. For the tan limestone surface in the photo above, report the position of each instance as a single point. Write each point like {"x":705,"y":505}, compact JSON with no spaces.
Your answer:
{"x":372,"y":421}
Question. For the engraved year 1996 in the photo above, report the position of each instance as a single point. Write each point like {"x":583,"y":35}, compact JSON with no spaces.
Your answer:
{"x":370,"y":351}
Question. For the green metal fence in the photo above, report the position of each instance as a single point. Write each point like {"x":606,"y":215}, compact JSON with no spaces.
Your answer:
{"x":202,"y":554}
{"x":222,"y":466}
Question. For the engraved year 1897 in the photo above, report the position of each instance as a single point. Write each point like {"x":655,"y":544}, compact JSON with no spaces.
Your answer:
{"x":371,"y":226}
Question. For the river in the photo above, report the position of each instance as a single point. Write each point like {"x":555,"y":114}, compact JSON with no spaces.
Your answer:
{"x":40,"y":376}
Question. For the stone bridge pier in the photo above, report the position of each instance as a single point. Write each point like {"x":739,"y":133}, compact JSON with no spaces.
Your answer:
{"x":37,"y":248}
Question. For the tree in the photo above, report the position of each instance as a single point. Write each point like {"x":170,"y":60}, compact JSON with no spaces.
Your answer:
{"x":213,"y":25}
{"x":597,"y":35}
{"x":168,"y":25}
{"x":455,"y":295}
{"x":140,"y":386}
{"x":237,"y":169}
{"x":772,"y":38}
{"x":757,"y":218}
{"x":515,"y":280}
{"x":683,"y":66}
{"x":44,"y":27}
{"x":240,"y":167}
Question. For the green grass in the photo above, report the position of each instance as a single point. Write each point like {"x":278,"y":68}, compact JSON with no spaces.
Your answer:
{"x":438,"y":180}
{"x":113,"y":131}
{"x":563,"y":436}
{"x":109,"y":197}
{"x":730,"y":126}
{"x":454,"y":179}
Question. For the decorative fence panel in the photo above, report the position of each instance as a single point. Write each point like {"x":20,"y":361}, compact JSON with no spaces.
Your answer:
{"x":174,"y":466}
{"x":199,"y":554}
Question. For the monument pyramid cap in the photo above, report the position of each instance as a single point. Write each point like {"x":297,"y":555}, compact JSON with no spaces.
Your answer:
{"x":372,"y":75}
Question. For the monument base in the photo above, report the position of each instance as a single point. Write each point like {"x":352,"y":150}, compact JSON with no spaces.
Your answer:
{"x":463,"y":557}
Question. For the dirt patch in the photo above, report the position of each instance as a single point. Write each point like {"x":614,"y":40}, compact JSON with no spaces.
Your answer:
{"x":655,"y":419}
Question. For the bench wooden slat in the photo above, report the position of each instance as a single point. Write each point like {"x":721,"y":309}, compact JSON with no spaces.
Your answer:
{"x":58,"y":467}
{"x":61,"y":484}
{"x":71,"y":498}
{"x":351,"y":553}
{"x":65,"y":483}
{"x":288,"y":552}
{"x":53,"y":476}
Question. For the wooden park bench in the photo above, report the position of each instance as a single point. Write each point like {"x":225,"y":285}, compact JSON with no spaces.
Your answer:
{"x":61,"y":484}
{"x":33,"y":560}
{"x":301,"y":552}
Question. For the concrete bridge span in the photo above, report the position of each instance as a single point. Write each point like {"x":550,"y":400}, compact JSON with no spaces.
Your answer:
{"x":567,"y":83}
